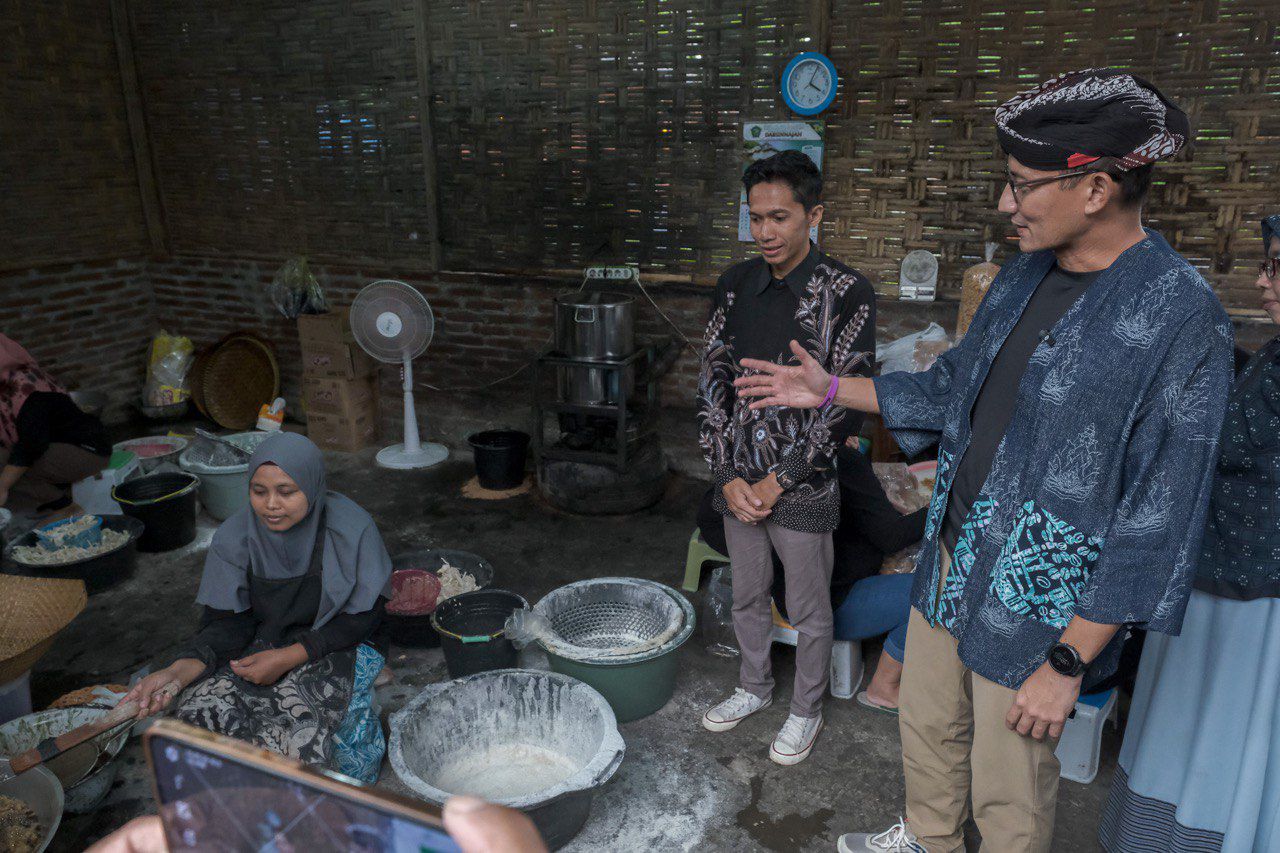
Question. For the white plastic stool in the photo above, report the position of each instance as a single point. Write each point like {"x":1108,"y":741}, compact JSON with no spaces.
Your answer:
{"x":846,"y":659}
{"x":1081,"y":740}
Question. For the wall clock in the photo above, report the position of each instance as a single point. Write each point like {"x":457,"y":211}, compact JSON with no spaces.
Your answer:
{"x":809,"y":84}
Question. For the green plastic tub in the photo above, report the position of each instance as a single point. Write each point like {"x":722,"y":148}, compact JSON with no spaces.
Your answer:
{"x":224,"y":489}
{"x":633,"y":690}
{"x":621,"y":636}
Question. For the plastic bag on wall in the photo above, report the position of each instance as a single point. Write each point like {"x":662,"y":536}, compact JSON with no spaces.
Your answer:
{"x":900,"y":485}
{"x":913,"y":353}
{"x":294,"y":290}
{"x":168,"y":364}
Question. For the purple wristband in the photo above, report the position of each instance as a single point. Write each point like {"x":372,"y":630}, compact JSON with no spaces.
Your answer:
{"x":831,"y":392}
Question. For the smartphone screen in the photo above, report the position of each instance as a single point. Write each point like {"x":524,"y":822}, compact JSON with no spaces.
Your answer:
{"x":214,"y":802}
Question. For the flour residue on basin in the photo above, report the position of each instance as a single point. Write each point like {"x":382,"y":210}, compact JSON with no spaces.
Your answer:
{"x":607,"y":619}
{"x":506,"y":771}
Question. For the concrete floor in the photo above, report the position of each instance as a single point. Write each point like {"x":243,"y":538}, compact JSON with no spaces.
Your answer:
{"x":680,"y":788}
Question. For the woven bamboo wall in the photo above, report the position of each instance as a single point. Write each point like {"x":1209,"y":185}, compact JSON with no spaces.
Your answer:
{"x":286,"y":126}
{"x":911,"y":155}
{"x":70,"y":190}
{"x":576,"y":131}
{"x":601,"y":130}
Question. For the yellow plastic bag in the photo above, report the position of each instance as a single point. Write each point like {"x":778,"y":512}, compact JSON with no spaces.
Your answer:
{"x":168,"y":364}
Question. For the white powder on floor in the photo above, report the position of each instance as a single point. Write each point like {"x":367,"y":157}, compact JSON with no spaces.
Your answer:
{"x":505,"y":772}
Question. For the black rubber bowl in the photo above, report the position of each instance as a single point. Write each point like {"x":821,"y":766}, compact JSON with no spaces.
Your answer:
{"x":98,"y":573}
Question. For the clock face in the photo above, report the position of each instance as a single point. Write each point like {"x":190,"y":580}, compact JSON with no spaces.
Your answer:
{"x":810,"y":84}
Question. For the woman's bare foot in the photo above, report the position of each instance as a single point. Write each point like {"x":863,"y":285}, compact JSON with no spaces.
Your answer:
{"x":883,"y":689}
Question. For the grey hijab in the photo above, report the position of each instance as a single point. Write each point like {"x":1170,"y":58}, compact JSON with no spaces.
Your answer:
{"x":355,"y":567}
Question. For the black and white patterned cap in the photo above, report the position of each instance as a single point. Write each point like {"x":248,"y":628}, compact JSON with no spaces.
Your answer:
{"x":1083,"y":116}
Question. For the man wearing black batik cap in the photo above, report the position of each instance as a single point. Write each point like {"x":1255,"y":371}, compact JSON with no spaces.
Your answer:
{"x":1077,"y":423}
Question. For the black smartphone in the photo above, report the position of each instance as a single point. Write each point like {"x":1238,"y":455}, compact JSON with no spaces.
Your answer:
{"x":220,"y":794}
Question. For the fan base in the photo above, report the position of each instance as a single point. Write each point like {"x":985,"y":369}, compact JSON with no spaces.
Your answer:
{"x":427,"y":455}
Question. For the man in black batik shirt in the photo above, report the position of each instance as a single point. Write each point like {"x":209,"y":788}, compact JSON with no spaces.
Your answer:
{"x":775,"y":467}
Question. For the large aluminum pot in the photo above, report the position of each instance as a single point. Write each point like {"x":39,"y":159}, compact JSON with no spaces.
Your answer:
{"x":597,"y":325}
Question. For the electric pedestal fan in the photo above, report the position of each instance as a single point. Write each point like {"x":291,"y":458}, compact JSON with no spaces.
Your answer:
{"x":393,"y":323}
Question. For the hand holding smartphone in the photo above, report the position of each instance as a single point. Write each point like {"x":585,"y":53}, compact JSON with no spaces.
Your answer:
{"x":219,"y":794}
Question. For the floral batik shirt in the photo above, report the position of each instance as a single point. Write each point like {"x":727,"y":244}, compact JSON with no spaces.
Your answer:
{"x":1096,"y":498}
{"x":830,"y":310}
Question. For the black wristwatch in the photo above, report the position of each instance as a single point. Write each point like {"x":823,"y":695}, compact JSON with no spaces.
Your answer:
{"x":785,"y":480}
{"x":1065,"y":660}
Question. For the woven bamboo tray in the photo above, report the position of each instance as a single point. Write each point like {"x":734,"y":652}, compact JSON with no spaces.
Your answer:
{"x":240,"y":374}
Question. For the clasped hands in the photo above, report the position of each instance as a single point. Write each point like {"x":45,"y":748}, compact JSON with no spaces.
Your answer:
{"x":752,"y":503}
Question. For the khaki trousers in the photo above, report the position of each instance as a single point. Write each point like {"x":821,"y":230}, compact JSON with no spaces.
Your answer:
{"x":807,"y":561}
{"x":956,"y":748}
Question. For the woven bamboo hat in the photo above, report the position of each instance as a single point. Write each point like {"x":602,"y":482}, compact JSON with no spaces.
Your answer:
{"x":32,"y":612}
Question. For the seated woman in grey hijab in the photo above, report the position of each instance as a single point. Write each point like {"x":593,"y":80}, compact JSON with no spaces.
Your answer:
{"x":294,"y":587}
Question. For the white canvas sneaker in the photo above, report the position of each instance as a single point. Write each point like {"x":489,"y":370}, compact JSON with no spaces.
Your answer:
{"x":734,"y":710}
{"x":896,"y":839}
{"x":795,"y":741}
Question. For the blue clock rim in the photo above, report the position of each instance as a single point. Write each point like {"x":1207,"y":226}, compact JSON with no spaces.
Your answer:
{"x":791,"y":67}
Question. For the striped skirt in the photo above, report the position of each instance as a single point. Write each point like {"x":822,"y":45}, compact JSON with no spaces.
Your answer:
{"x":1200,"y":765}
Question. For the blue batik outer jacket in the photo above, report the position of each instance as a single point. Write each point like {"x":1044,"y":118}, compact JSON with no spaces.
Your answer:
{"x":1096,"y":499}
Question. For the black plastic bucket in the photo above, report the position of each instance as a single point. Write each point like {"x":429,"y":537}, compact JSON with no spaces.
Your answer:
{"x":500,"y":456}
{"x":165,"y":504}
{"x":471,"y":631}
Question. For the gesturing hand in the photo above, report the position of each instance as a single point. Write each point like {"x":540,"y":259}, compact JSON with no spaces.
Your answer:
{"x":798,"y":386}
{"x":743,"y":502}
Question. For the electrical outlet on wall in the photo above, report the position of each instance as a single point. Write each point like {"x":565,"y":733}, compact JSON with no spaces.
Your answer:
{"x":612,"y":273}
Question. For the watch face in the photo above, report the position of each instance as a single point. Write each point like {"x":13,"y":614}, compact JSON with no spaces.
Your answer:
{"x":810,"y":84}
{"x":1062,"y":660}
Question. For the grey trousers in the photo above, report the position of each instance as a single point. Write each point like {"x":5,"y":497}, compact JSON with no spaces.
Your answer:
{"x":807,"y":560}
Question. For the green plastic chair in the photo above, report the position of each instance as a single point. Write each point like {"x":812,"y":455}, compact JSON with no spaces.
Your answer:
{"x":699,"y":553}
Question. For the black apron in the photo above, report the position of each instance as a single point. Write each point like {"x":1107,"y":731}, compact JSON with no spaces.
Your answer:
{"x":297,"y":715}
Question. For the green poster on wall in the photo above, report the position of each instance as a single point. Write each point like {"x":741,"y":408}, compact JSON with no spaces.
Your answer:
{"x":761,"y":139}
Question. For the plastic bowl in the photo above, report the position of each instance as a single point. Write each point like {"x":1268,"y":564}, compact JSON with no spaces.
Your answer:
{"x":147,"y":449}
{"x":224,"y":489}
{"x":414,"y":631}
{"x":85,"y":785}
{"x":503,"y":720}
{"x":99,"y":572}
{"x":42,"y":791}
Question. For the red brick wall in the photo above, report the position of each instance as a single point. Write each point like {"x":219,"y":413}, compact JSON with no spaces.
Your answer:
{"x":487,"y":327}
{"x":88,"y":324}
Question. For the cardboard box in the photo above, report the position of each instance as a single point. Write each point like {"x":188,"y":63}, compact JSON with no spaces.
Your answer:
{"x":331,"y":328}
{"x":336,"y":361}
{"x":339,"y":396}
{"x":347,"y":433}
